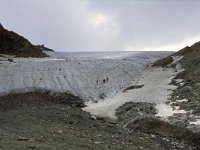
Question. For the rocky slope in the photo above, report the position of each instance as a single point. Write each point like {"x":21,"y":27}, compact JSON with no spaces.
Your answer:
{"x":46,"y":121}
{"x":186,"y":97}
{"x":189,"y":79}
{"x":13,"y":44}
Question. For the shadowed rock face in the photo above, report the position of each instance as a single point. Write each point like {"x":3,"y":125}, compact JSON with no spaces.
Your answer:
{"x":191,"y":63}
{"x":163,"y":62}
{"x":13,"y":44}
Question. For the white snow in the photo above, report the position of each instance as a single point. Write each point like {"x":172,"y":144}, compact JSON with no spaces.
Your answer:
{"x":156,"y":89}
{"x":166,"y":110}
{"x":83,"y":76}
{"x":197,"y":122}
{"x":182,"y":100}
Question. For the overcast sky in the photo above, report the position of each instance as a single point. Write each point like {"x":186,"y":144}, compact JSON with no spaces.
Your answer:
{"x":104,"y":25}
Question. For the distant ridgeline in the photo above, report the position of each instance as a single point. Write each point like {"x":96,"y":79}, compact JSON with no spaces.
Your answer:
{"x":13,"y":44}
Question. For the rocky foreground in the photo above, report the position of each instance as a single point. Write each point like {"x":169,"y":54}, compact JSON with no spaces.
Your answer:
{"x":51,"y":121}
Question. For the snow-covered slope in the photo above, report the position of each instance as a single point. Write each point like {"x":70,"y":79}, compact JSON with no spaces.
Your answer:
{"x":156,"y":89}
{"x":96,"y":76}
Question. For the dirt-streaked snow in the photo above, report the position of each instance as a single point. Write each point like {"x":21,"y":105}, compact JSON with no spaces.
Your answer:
{"x":91,"y":77}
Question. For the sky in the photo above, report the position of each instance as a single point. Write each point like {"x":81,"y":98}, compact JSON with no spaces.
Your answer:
{"x":104,"y":25}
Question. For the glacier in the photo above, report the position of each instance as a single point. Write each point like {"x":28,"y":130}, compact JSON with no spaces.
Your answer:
{"x":91,"y":76}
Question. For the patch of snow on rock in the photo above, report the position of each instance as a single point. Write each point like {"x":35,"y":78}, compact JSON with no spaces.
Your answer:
{"x":197,"y":122}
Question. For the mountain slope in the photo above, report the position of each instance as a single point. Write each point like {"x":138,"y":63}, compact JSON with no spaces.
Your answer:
{"x":188,"y":81}
{"x":13,"y":44}
{"x":190,"y":62}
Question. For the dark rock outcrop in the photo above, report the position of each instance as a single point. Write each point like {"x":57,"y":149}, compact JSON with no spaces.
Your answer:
{"x":163,"y":62}
{"x":131,"y":87}
{"x":13,"y":44}
{"x":42,"y":47}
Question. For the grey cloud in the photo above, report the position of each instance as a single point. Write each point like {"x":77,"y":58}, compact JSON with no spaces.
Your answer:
{"x":94,"y":25}
{"x":156,"y":23}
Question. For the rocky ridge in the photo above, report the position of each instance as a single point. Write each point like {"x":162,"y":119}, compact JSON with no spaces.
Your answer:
{"x":187,"y":95}
{"x":13,"y":44}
